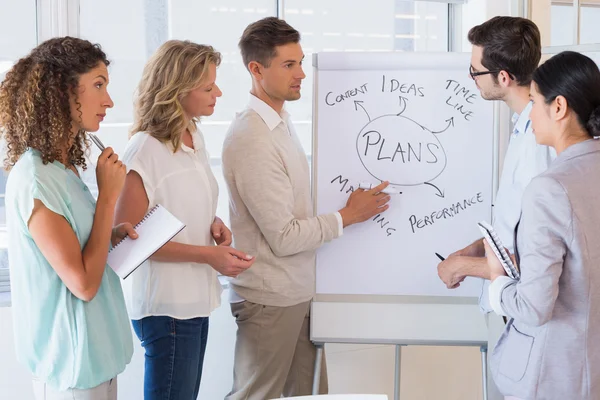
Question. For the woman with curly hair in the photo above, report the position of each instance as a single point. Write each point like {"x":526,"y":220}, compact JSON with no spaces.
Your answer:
{"x":170,"y":297}
{"x":72,"y":332}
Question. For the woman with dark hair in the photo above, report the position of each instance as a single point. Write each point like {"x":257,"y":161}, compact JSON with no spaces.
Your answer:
{"x":72,"y":329}
{"x":549,"y":347}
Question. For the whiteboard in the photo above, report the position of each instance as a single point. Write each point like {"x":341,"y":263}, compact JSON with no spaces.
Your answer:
{"x":418,"y":121}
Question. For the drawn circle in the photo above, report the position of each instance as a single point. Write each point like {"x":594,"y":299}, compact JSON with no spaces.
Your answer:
{"x":395,"y":148}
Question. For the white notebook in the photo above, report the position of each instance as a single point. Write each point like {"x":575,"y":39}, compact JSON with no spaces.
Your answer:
{"x":156,"y":228}
{"x":496,"y":244}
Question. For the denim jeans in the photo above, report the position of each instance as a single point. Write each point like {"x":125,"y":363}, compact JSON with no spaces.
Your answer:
{"x":174,"y":353}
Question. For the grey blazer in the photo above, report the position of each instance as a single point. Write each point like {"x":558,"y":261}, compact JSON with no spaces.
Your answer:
{"x":550,"y":348}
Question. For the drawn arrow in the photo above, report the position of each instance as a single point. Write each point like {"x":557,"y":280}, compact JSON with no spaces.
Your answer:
{"x":439,"y":193}
{"x":403,"y":101}
{"x":450,"y":121}
{"x":359,"y":103}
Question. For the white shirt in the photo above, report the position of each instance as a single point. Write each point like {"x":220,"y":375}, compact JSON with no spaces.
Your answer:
{"x":183,"y":183}
{"x":524,"y":160}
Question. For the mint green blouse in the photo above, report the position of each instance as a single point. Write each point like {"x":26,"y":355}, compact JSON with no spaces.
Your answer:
{"x":64,"y":341}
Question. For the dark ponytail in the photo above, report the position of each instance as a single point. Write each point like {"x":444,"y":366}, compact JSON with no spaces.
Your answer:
{"x":593,"y":124}
{"x":577,"y":78}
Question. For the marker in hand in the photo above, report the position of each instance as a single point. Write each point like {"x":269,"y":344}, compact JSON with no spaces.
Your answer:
{"x":96,"y":141}
{"x":369,"y":186}
{"x":440,"y":257}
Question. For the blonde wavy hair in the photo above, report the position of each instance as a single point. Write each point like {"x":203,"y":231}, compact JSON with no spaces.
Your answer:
{"x":177,"y":67}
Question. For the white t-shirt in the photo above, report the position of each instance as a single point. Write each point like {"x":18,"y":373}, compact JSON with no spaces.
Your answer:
{"x":183,"y":183}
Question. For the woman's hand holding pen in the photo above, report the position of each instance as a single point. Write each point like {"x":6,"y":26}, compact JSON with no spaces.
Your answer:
{"x":110,"y":175}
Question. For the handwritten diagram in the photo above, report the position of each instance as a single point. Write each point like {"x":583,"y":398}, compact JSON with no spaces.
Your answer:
{"x":417,"y":120}
{"x":397,"y":148}
{"x":389,"y":147}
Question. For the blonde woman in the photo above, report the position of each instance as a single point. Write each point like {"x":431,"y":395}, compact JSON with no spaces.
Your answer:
{"x":170,"y":297}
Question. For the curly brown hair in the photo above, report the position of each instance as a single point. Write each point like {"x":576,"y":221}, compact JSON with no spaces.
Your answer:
{"x":35,"y":108}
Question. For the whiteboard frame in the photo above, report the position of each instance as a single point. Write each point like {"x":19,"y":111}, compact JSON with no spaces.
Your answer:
{"x":350,"y":318}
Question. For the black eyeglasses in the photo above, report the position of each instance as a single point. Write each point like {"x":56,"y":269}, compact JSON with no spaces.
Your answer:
{"x":476,"y":74}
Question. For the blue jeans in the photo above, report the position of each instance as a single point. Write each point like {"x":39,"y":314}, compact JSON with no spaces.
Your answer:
{"x":174,"y":356}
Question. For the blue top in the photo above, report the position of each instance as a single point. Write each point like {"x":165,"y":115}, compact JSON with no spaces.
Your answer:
{"x":64,"y":341}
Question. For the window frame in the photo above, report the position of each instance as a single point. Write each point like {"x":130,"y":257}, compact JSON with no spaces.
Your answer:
{"x":579,"y":4}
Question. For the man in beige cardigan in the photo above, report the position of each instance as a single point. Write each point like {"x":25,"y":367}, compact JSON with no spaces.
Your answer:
{"x":267,"y":174}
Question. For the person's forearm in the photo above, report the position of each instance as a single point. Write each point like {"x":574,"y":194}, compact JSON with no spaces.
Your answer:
{"x":264,"y":187}
{"x":304,"y":235}
{"x":179,"y":252}
{"x":475,"y":267}
{"x":95,"y":252}
{"x":347,"y":217}
{"x":476,"y":249}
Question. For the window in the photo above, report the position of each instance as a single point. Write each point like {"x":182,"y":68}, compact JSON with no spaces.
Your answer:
{"x":232,"y":76}
{"x":108,"y":25}
{"x":393,"y":25}
{"x":18,"y":35}
{"x":562,"y":22}
{"x":147,"y":25}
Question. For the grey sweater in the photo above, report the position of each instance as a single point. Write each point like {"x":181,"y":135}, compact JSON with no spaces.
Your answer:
{"x":270,"y":207}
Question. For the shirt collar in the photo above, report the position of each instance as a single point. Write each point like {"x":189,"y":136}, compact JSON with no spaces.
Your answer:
{"x":196,"y":141}
{"x":267,"y":113}
{"x":587,"y":146}
{"x":521,"y":121}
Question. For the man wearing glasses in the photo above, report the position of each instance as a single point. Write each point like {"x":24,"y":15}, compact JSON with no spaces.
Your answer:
{"x":506,"y":51}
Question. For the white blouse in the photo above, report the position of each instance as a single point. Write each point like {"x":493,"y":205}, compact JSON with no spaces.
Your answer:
{"x":184,"y":184}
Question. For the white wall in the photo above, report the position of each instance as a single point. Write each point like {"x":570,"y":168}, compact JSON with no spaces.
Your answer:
{"x":448,"y":373}
{"x":14,"y":38}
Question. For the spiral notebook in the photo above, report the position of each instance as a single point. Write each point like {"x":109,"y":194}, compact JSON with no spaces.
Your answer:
{"x":496,"y":244}
{"x":156,"y":228}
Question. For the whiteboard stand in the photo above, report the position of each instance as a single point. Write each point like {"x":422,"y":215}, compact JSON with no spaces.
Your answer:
{"x":484,"y":367}
{"x":397,"y":368}
{"x":398,"y":365}
{"x":410,"y":100}
{"x":318,"y":360}
{"x":432,"y":322}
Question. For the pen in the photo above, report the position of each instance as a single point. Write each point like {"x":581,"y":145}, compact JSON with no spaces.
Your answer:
{"x":387,"y":190}
{"x":96,"y":141}
{"x":440,"y":257}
